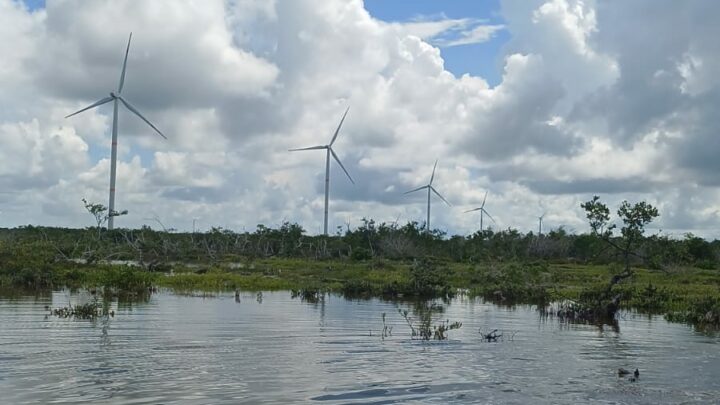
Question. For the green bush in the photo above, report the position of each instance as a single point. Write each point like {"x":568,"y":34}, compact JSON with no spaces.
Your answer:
{"x":429,"y":279}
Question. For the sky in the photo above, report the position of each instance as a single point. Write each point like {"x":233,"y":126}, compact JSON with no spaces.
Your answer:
{"x":540,"y":103}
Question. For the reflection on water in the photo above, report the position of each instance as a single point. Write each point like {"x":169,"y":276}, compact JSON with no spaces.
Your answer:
{"x":270,"y":348}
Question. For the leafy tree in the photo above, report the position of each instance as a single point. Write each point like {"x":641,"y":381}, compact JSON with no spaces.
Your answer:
{"x":101,"y":214}
{"x":635,"y":218}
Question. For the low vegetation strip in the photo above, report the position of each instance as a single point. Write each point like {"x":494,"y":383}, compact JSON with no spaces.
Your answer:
{"x":685,"y":294}
{"x":616,"y":266}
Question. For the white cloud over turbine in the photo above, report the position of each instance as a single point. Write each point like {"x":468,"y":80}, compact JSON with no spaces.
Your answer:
{"x":602,"y":97}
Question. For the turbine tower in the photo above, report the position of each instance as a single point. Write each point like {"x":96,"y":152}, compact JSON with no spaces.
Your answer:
{"x":429,"y":188}
{"x":115,"y":97}
{"x":540,"y":219}
{"x":329,"y":151}
{"x":483,"y":212}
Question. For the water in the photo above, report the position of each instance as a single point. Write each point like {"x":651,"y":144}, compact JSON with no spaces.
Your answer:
{"x":194,"y":350}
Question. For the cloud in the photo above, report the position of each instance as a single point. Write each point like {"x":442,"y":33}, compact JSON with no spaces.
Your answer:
{"x":595,"y":97}
{"x":447,"y":32}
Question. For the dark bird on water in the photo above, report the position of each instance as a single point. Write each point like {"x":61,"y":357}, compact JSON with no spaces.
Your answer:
{"x":623,"y":371}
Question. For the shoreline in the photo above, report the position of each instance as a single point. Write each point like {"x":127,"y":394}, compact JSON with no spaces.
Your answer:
{"x":687,"y":295}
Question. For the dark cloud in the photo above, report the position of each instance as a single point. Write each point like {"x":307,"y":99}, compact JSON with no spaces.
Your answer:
{"x":197,"y":194}
{"x":597,"y":186}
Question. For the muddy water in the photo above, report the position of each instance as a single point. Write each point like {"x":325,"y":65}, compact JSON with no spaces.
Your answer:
{"x":197,"y":350}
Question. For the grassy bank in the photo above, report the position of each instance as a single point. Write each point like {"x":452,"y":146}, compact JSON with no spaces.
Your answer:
{"x":684,"y":294}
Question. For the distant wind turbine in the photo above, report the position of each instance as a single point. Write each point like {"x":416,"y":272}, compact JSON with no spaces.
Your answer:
{"x":483,"y":212}
{"x":329,"y":151}
{"x":540,"y":219}
{"x":429,"y":188}
{"x":113,"y":155}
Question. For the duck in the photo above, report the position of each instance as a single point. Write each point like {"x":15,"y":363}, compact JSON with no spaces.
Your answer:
{"x":624,"y":371}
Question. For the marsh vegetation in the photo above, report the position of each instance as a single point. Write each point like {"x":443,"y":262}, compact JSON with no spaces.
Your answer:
{"x":585,"y":277}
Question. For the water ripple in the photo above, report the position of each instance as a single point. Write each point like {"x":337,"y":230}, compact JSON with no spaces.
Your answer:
{"x":194,"y":350}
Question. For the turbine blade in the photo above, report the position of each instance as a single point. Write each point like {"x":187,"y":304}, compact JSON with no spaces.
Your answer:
{"x":441,"y":197}
{"x":310,"y":148}
{"x":97,"y":103}
{"x":433,"y":173}
{"x":484,"y":198}
{"x":488,"y":214}
{"x":341,"y":165}
{"x":472,"y":210}
{"x":417,"y":189}
{"x":122,"y":75}
{"x":131,"y":108}
{"x":337,"y":131}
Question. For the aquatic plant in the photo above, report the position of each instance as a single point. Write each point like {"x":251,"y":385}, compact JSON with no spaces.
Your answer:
{"x":90,"y":310}
{"x":386,"y":330}
{"x":424,"y":329}
{"x":311,"y":295}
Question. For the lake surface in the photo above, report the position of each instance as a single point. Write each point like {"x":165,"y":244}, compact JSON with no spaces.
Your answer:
{"x":195,"y":350}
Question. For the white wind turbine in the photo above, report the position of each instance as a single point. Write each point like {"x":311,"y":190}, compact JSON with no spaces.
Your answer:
{"x":540,"y":219}
{"x":113,"y":155}
{"x":429,"y":188}
{"x":329,"y":151}
{"x":483,"y":212}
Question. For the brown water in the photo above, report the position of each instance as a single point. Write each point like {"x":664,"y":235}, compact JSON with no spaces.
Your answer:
{"x":193,"y":350}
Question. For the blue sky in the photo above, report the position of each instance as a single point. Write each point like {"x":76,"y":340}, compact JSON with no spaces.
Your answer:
{"x":34,"y":4}
{"x":476,"y":59}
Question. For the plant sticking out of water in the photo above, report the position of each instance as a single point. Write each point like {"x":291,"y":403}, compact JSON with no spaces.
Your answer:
{"x":440,"y":331}
{"x":259,"y":297}
{"x":424,"y":329}
{"x":496,"y":335}
{"x":311,"y":295}
{"x":90,"y":310}
{"x":386,"y":330}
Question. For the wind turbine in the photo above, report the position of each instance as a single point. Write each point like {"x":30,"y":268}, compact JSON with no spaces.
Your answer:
{"x":329,"y":151}
{"x":113,"y":155}
{"x":482,"y":210}
{"x":429,"y":188}
{"x":540,"y":219}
